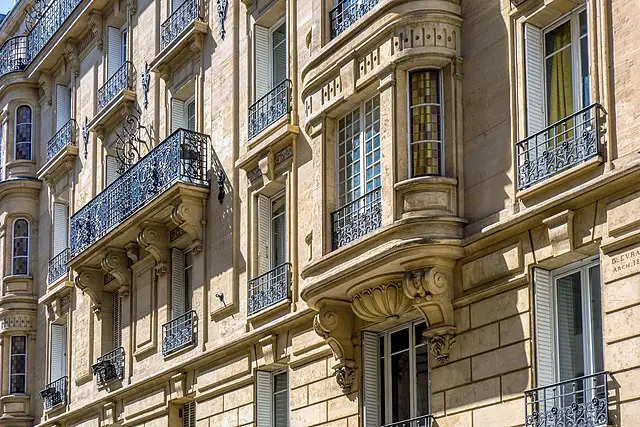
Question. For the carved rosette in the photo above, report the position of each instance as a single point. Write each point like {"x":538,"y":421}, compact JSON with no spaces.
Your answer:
{"x":381,"y":302}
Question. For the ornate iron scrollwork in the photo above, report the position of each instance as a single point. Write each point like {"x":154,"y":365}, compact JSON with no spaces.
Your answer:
{"x":85,"y":136}
{"x":133,"y":142}
{"x":146,"y":81}
{"x":222,"y":15}
{"x":222,"y":177}
{"x":34,"y":13}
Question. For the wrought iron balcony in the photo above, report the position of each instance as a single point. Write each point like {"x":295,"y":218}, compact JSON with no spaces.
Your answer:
{"x":14,"y":55}
{"x":65,"y":136}
{"x":268,"y":109}
{"x":422,"y":421}
{"x":117,"y":83}
{"x":109,"y":367}
{"x":579,"y":402}
{"x":346,"y":13}
{"x":188,"y":12}
{"x":356,"y":219}
{"x":561,"y":146}
{"x":54,"y":393}
{"x":269,"y":289}
{"x":58,"y":266}
{"x":181,"y":158}
{"x":51,"y":20}
{"x":179,"y":332}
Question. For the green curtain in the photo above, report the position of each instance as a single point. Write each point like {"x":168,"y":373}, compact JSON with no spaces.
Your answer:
{"x":559,"y":74}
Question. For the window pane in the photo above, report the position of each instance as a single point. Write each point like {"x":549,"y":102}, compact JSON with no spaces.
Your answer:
{"x":278,"y":227}
{"x":191,"y":116}
{"x":18,"y":345}
{"x":279,"y":44}
{"x":559,"y":73}
{"x":425,"y":127}
{"x":280,"y":400}
{"x":349,"y":158}
{"x":570,"y":335}
{"x":400,"y":386}
{"x":17,"y":384}
{"x":421,"y":371}
{"x":400,"y":340}
{"x":596,"y":316}
{"x":382,"y":380}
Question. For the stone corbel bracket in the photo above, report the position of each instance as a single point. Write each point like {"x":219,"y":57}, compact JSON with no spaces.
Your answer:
{"x":90,"y":281}
{"x":95,"y":23}
{"x":44,"y":81}
{"x":116,"y":263}
{"x":154,"y":239}
{"x":71,"y":53}
{"x":334,"y":323}
{"x":560,"y":232}
{"x":188,"y":215}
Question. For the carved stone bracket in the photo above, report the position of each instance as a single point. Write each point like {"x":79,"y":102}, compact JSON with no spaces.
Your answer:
{"x":90,"y":282}
{"x":439,"y":342}
{"x":116,"y":263}
{"x":345,"y":374}
{"x":153,"y":238}
{"x":71,"y":52}
{"x":381,"y":301}
{"x":44,"y":81}
{"x":95,"y":23}
{"x":188,"y":216}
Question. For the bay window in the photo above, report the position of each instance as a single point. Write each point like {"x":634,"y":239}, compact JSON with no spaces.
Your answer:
{"x":426,"y":126}
{"x":21,"y":247}
{"x":23,"y":136}
{"x":18,"y":365}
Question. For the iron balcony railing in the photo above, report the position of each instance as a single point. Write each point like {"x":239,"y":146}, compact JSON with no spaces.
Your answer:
{"x":181,"y":158}
{"x":54,"y":393}
{"x":117,"y":83}
{"x":560,"y":146}
{"x":356,"y":219}
{"x":346,"y":13}
{"x":269,"y":288}
{"x":14,"y":55}
{"x":422,"y":421}
{"x":579,"y":402}
{"x":268,"y":109}
{"x":109,"y":367}
{"x":184,"y":15}
{"x":65,"y":136}
{"x":179,"y":332}
{"x":51,"y":20}
{"x":58,"y":266}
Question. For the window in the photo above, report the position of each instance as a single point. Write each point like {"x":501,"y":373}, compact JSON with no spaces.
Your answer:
{"x":272,"y":234}
{"x":60,"y":228}
{"x":181,"y":282}
{"x":395,"y":375}
{"x":20,"y":256}
{"x":272,"y":405}
{"x":23,"y":133}
{"x":183,"y":114}
{"x":359,"y":149}
{"x":63,"y":106}
{"x":557,"y":70}
{"x":568,"y":323}
{"x":117,"y":320}
{"x":58,"y":367}
{"x":425,"y":107}
{"x":270,"y":57}
{"x":116,"y":55}
{"x":188,"y":414}
{"x":18,"y":365}
{"x":112,"y":170}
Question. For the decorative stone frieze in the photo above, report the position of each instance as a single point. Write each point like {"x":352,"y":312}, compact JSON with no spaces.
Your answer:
{"x":17,"y":320}
{"x":116,"y":263}
{"x":381,"y":301}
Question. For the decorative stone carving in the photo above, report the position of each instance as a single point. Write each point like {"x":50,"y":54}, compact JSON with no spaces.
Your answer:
{"x":381,"y":302}
{"x":90,"y":281}
{"x":267,"y":166}
{"x":17,"y":320}
{"x":439,"y":341}
{"x":560,"y":232}
{"x":254,"y":174}
{"x":44,"y":81}
{"x":132,"y":6}
{"x":71,"y":53}
{"x":222,"y":15}
{"x":161,"y":268}
{"x":116,"y":263}
{"x":153,"y":239}
{"x":95,"y":23}
{"x":133,"y":251}
{"x":188,"y":217}
{"x":345,"y":374}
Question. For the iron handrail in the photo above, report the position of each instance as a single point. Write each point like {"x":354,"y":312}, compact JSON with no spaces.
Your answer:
{"x":56,"y":142}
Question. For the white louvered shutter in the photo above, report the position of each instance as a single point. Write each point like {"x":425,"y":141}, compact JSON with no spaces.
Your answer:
{"x":177,"y":115}
{"x":177,"y":283}
{"x":189,"y":414}
{"x":117,"y":320}
{"x":544,"y":326}
{"x":264,"y":233}
{"x":60,"y":227}
{"x":114,"y":58}
{"x":58,"y":352}
{"x":262,"y":54}
{"x":370,"y":382}
{"x":63,"y":106}
{"x":175,"y":4}
{"x":264,"y":399}
{"x":534,"y":78}
{"x":112,"y":165}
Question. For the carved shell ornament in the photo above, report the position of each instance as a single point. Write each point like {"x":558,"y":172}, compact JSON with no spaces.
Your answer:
{"x":382,"y":302}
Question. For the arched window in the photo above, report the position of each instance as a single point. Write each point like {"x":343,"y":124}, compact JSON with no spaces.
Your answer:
{"x":23,"y":133}
{"x":20,"y":255}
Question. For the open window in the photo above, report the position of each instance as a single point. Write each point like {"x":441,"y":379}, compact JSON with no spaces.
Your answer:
{"x":117,"y":49}
{"x":270,"y":56}
{"x":272,"y":399}
{"x":183,"y":108}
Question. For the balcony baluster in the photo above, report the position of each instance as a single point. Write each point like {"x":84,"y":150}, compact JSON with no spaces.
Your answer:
{"x":188,"y":12}
{"x":14,"y":55}
{"x":268,"y":109}
{"x":54,"y":393}
{"x":269,"y":289}
{"x":356,"y":219}
{"x":422,"y":421}
{"x":58,"y":266}
{"x":109,"y":367}
{"x":179,"y":333}
{"x":118,"y":82}
{"x":346,"y":13}
{"x":65,"y":136}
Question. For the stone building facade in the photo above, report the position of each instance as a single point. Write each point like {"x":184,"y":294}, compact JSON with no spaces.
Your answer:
{"x":402,"y":213}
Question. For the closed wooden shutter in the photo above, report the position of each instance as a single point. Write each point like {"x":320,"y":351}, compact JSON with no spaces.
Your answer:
{"x":60,"y":227}
{"x":545,"y":365}
{"x":534,"y":78}
{"x":263,"y":74}
{"x":177,"y":283}
{"x":114,"y":55}
{"x":370,"y":382}
{"x":264,"y":233}
{"x":189,"y":414}
{"x":117,"y":320}
{"x":177,"y":115}
{"x":112,"y":165}
{"x":63,"y":106}
{"x":264,"y":399}
{"x":58,"y":352}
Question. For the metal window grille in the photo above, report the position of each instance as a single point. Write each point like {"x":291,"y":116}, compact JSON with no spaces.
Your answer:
{"x":54,"y":393}
{"x":65,"y":136}
{"x":346,"y":13}
{"x":179,"y":332}
{"x":426,"y":123}
{"x":118,"y":82}
{"x":182,"y":157}
{"x":356,"y":219}
{"x":188,"y":12}
{"x":58,"y":266}
{"x":268,"y":109}
{"x":269,"y":289}
{"x":109,"y":367}
{"x":561,"y":146}
{"x":578,"y":402}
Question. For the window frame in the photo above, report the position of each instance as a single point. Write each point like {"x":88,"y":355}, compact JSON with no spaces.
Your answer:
{"x":442,"y":148}
{"x":287,"y":391}
{"x":13,"y":248}
{"x":26,"y":363}
{"x":279,"y":195}
{"x":363,"y":154}
{"x":187,"y":103}
{"x":15,"y":132}
{"x":188,"y":281}
{"x":272,"y":29}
